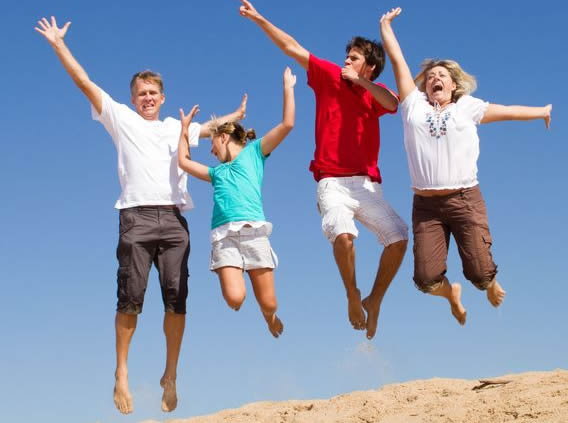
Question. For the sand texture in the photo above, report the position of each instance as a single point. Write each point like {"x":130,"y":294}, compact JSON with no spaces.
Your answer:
{"x":528,"y":397}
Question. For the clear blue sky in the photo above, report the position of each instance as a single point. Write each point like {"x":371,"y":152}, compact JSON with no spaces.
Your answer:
{"x":59,"y":229}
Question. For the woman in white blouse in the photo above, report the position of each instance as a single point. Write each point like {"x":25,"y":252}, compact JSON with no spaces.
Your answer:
{"x":440,"y":137}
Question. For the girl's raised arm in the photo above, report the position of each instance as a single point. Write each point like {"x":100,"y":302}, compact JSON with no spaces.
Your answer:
{"x":404,"y":80}
{"x":275,"y":136}
{"x":184,"y":157}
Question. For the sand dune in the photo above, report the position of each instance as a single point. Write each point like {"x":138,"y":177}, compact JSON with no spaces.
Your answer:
{"x":528,"y":397}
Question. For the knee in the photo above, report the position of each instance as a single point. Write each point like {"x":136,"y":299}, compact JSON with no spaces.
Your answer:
{"x":343,"y":242}
{"x":427,"y":281}
{"x":480,"y":279}
{"x":235,"y":299}
{"x":399,"y":247}
{"x":268,"y":304}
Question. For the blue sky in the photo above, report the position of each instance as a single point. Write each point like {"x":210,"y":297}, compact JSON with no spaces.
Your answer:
{"x":59,"y":228}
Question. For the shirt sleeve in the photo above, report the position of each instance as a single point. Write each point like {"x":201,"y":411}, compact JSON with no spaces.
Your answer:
{"x":320,"y":70}
{"x":211,"y":171}
{"x":194,"y":130}
{"x":407,"y":105}
{"x":258,"y":149}
{"x":110,"y":115}
{"x":472,"y":107}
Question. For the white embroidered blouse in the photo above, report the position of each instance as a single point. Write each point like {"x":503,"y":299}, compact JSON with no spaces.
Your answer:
{"x":442,"y":145}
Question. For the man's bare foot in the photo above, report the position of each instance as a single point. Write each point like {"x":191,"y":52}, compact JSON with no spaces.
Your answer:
{"x":275,"y":325}
{"x":373,"y":311}
{"x":495,"y":293}
{"x":355,"y":310}
{"x":122,"y":397}
{"x":455,"y":302}
{"x":169,"y":398}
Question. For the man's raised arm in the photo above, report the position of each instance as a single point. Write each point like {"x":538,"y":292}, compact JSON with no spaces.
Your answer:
{"x":54,"y":36}
{"x":285,"y":42}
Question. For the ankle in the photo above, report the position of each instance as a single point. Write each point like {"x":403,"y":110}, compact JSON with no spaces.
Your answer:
{"x":121,"y":373}
{"x":353,"y":293}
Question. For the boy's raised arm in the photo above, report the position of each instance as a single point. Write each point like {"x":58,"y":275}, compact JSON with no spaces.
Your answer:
{"x":285,"y":42}
{"x":54,"y":37}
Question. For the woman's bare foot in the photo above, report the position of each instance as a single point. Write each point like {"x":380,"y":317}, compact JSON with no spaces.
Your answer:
{"x":495,"y":293}
{"x":355,"y":310}
{"x":169,"y":398}
{"x":455,"y":302}
{"x":122,"y":397}
{"x":373,"y":311}
{"x":275,"y":325}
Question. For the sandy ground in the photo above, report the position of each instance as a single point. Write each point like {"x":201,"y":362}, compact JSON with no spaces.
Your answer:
{"x":528,"y":397}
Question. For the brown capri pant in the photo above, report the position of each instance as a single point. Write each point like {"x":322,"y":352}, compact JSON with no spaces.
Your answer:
{"x":464,"y":215}
{"x":152,"y":234}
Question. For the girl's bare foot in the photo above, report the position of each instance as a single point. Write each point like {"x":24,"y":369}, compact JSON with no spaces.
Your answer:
{"x":169,"y":398}
{"x":122,"y":397}
{"x":373,"y":311}
{"x":275,"y":325}
{"x":455,"y":302}
{"x":495,"y":293}
{"x":355,"y":310}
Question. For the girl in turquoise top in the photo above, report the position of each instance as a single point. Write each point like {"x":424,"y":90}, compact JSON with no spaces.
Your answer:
{"x":239,"y":231}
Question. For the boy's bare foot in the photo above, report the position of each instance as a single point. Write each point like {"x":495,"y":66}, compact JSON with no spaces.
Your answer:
{"x":455,"y":302}
{"x":355,"y":310}
{"x":169,"y":398}
{"x":495,"y":293}
{"x":373,"y":311}
{"x":275,"y":325}
{"x":122,"y":397}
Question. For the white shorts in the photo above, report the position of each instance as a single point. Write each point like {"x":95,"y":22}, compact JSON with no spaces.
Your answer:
{"x":247,"y":249}
{"x":343,"y":199}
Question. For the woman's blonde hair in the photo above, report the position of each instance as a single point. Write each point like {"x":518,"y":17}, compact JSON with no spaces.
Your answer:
{"x":465,"y":83}
{"x":235,"y":130}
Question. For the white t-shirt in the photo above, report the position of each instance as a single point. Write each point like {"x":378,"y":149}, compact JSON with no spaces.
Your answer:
{"x":147,"y":156}
{"x":442,"y":145}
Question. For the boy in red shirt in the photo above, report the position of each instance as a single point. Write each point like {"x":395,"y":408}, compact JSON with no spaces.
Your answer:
{"x":348,"y":106}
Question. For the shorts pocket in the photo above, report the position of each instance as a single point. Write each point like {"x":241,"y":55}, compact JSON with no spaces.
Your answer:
{"x":123,"y":275}
{"x":126,"y":222}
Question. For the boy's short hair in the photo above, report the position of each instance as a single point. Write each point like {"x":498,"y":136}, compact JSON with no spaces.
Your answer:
{"x":373,"y":52}
{"x":147,"y":75}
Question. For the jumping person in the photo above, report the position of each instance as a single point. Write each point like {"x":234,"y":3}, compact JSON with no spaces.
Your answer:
{"x":348,"y":105}
{"x":442,"y":146}
{"x":239,"y":230}
{"x":154,"y":193}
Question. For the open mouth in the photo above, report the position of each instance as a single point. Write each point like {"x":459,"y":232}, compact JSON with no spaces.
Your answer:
{"x":437,"y":87}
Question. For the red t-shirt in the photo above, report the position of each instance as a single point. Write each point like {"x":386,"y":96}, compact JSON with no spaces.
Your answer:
{"x":347,"y":124}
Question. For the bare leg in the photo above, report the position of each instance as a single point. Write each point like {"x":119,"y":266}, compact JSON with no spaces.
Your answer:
{"x":174,"y":325}
{"x":232,"y":286}
{"x":125,"y":325}
{"x":344,"y":253}
{"x":495,"y":293}
{"x":453,"y":294}
{"x":388,"y":266}
{"x":263,"y":286}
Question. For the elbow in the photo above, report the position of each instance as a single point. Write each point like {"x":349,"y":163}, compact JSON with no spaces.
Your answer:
{"x":290,"y":49}
{"x":83,"y":82}
{"x":288,"y":126}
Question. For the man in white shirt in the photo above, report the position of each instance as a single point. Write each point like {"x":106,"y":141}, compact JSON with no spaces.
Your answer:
{"x":154,"y":192}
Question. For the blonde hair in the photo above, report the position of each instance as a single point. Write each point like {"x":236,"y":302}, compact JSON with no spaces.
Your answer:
{"x":234,"y":129}
{"x":147,"y":75}
{"x":465,"y":83}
